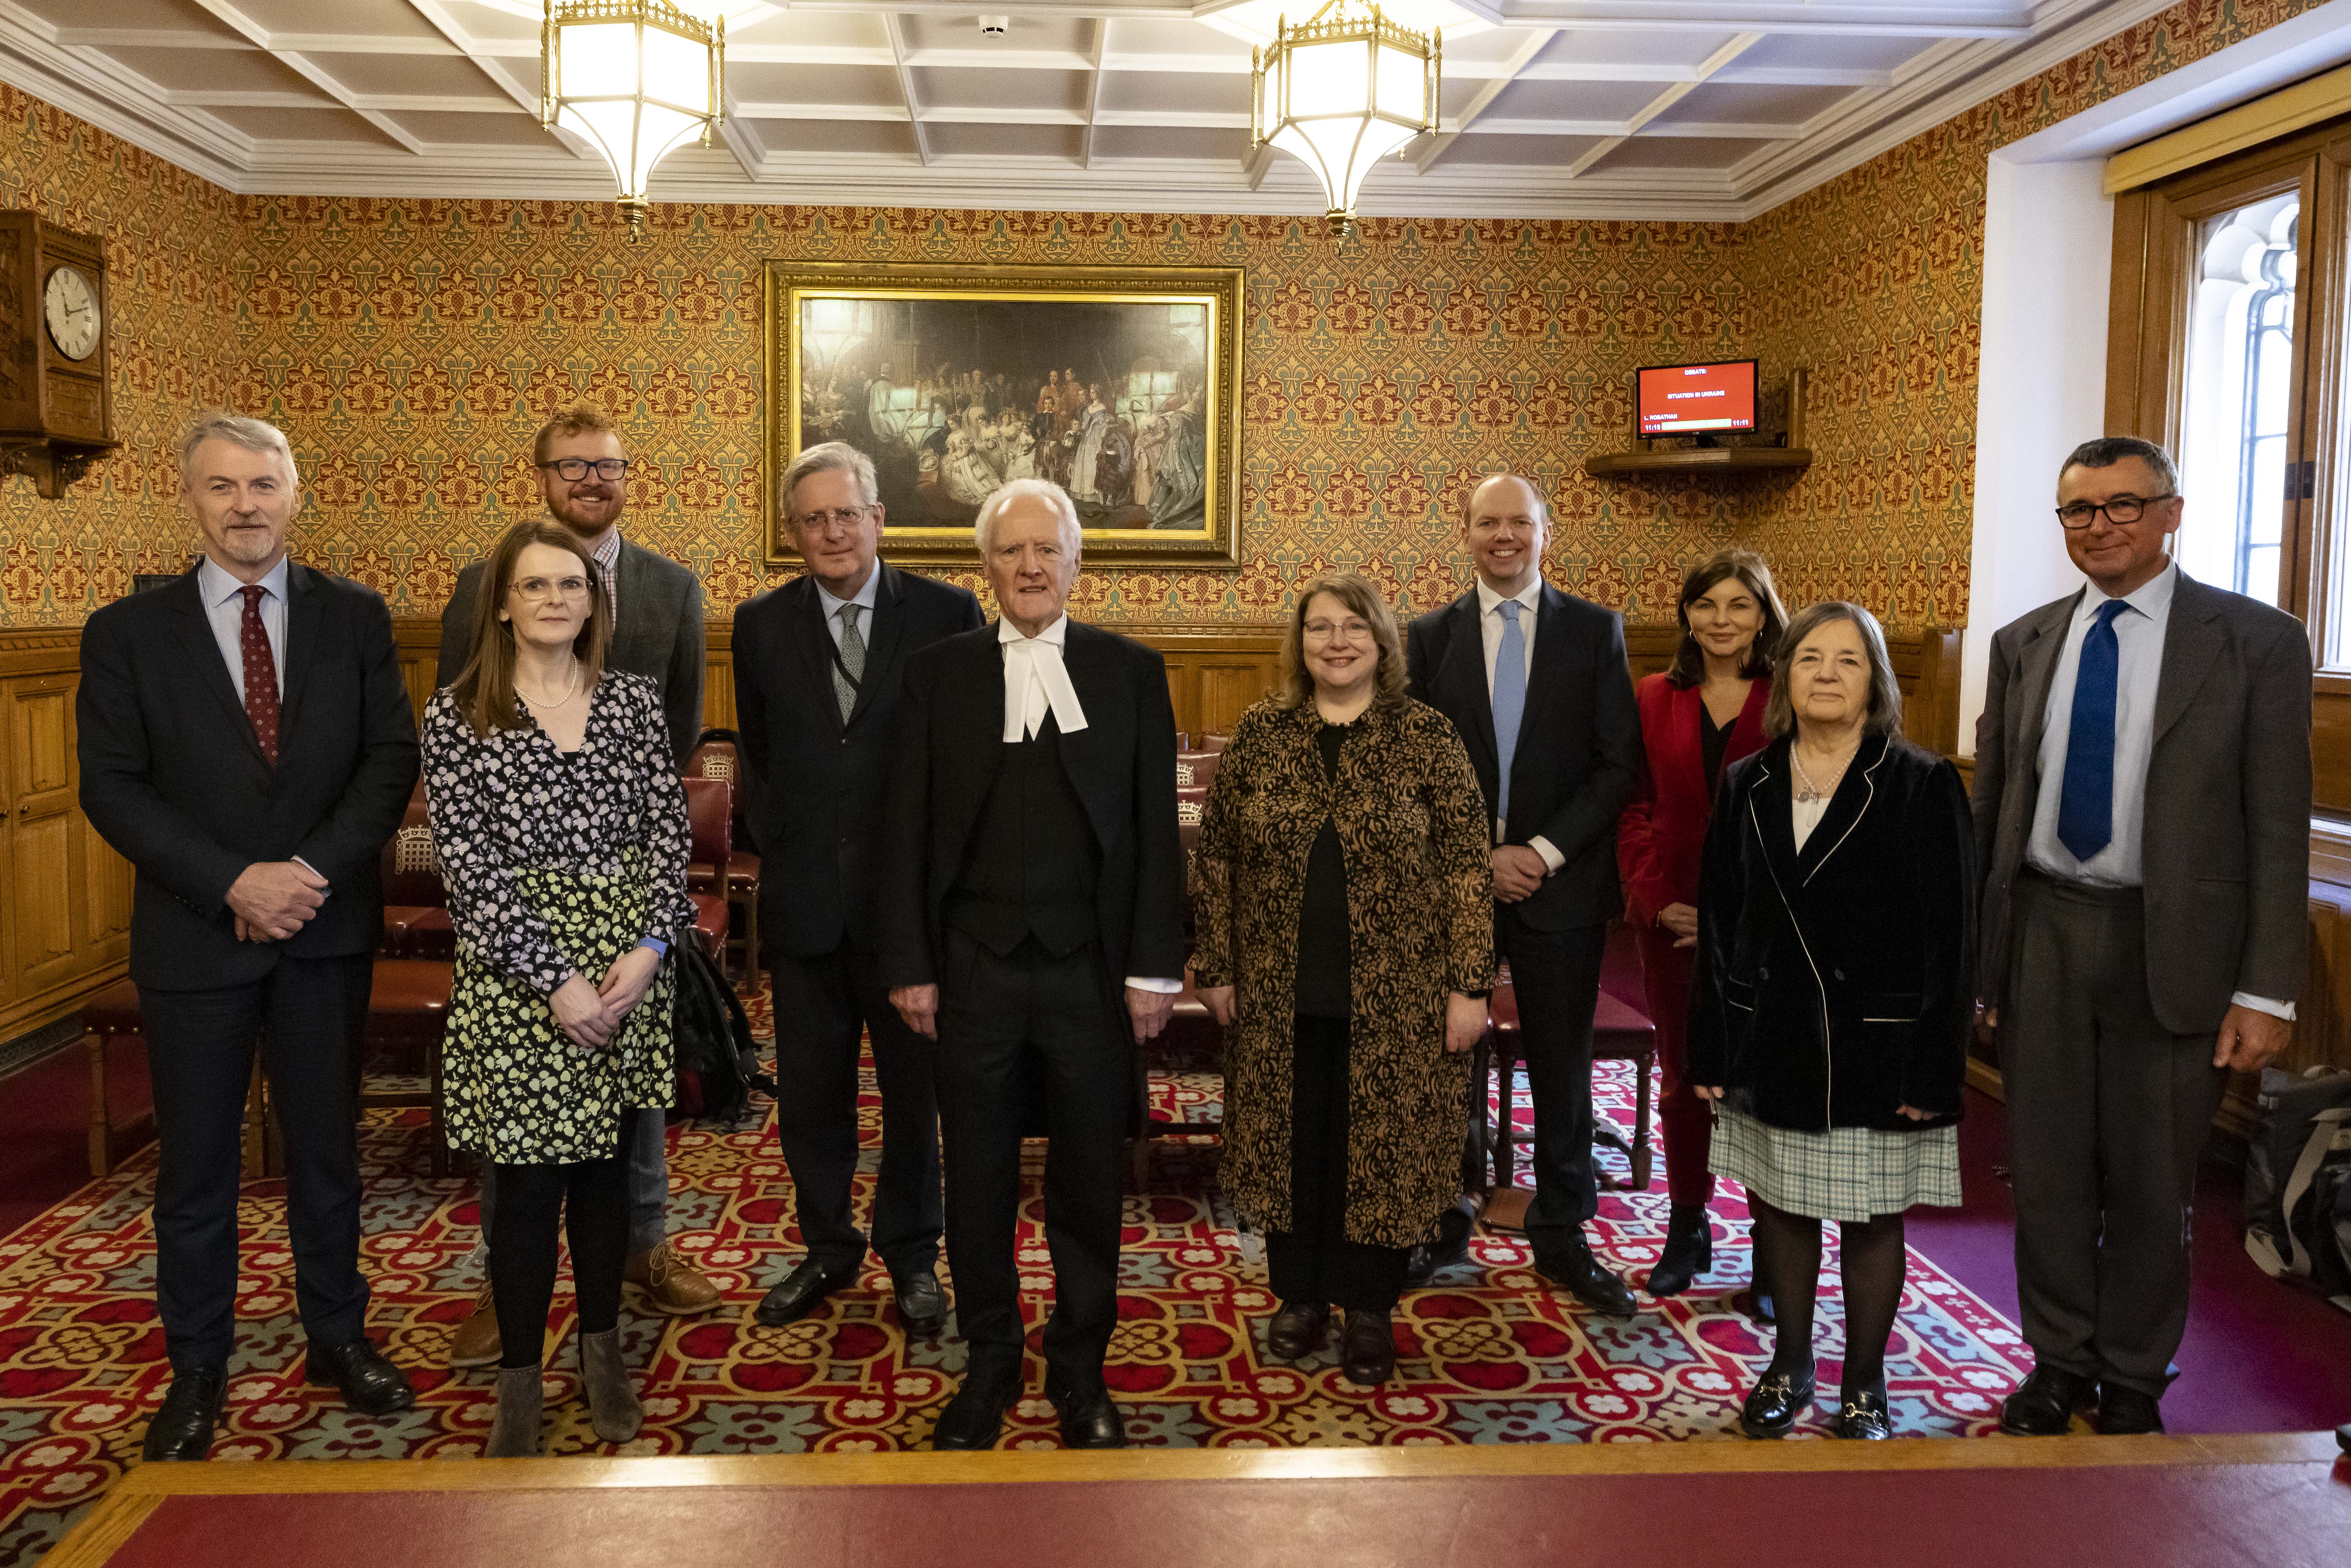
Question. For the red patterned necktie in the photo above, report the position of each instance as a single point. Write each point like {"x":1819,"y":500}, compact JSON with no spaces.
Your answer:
{"x":260,"y":674}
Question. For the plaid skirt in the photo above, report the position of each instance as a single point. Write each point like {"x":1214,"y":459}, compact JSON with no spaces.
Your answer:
{"x":1845,"y":1173}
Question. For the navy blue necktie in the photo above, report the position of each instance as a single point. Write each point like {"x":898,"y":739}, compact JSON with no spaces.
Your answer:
{"x":2085,"y":811}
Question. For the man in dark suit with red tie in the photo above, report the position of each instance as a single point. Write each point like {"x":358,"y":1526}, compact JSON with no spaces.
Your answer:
{"x":817,"y":669}
{"x":1537,"y":684}
{"x":246,"y":744}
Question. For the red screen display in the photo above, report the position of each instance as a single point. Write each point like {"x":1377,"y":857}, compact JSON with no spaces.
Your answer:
{"x":1679,"y":400}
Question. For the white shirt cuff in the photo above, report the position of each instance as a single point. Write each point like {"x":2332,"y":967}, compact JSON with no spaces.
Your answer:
{"x":2268,"y":1005}
{"x":1143,"y":983}
{"x":314,"y":871}
{"x":1552,"y":859}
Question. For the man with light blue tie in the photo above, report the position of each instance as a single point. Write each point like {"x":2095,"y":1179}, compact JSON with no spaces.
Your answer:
{"x":1536,"y":681}
{"x":2142,"y":782}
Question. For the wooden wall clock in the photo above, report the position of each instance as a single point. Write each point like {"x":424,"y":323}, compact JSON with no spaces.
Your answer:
{"x":56,"y":412}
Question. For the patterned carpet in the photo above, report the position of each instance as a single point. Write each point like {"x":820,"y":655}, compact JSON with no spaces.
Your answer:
{"x":1488,"y":1355}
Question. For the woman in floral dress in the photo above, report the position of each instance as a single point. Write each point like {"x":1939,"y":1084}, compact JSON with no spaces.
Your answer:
{"x":561,"y":829}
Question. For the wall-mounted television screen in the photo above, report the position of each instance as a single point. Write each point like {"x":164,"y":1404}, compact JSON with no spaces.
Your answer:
{"x":1696,"y":400}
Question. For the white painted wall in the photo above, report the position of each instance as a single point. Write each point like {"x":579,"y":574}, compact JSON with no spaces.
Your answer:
{"x":2041,"y":391}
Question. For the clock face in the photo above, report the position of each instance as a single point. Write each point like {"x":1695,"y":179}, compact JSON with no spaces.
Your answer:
{"x":71,"y":307}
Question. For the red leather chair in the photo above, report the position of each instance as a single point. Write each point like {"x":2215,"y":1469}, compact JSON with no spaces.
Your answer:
{"x":407,"y":1011}
{"x":415,"y":904}
{"x":1620,"y":1032}
{"x":710,"y":821}
{"x":1196,"y":770}
{"x":1214,"y":742}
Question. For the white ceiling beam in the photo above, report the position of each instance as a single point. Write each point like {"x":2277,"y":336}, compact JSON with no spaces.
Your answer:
{"x":1004,"y":59}
{"x":246,"y":27}
{"x":1666,"y":100}
{"x":1094,"y":89}
{"x":1730,"y":131}
{"x":1954,"y":20}
{"x":992,"y":114}
{"x":898,"y":52}
{"x":525,"y":95}
{"x":796,"y":110}
{"x":1257,"y":165}
{"x":1434,"y":147}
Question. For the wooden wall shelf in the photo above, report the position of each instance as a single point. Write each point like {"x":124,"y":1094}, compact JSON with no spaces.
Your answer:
{"x":1701,"y":460}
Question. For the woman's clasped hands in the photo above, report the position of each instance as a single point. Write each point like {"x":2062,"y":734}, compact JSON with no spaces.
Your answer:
{"x":591,"y":1015}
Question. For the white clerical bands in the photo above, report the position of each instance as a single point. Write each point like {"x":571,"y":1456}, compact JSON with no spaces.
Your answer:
{"x":1036,"y":681}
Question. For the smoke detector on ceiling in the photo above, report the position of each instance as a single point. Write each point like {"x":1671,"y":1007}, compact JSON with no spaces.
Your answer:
{"x":995,"y":26}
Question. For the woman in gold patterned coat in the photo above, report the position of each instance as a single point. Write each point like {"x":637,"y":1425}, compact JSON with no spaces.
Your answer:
{"x":1346,"y":919}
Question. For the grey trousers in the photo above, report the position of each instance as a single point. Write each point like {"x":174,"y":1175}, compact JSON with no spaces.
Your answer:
{"x":2107,"y":1115}
{"x":648,"y":1186}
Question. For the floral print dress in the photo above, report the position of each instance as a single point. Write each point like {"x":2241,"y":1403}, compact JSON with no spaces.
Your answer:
{"x":555,"y":864}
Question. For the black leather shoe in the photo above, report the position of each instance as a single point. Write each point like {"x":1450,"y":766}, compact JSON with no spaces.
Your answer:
{"x":1297,"y":1330}
{"x":2044,"y":1403}
{"x":2343,"y":1437}
{"x":921,"y":1304}
{"x":182,"y":1428}
{"x":1688,"y":1254}
{"x":1368,"y":1348}
{"x":370,"y":1385}
{"x":2126,"y":1412}
{"x":1090,"y":1419}
{"x":800,"y":1293}
{"x":1572,"y":1264}
{"x":1775,"y":1404}
{"x":1863,"y":1417}
{"x":974,"y":1418}
{"x":1429,"y":1259}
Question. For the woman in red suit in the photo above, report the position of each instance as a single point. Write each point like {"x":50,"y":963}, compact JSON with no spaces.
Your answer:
{"x":1696,"y":717}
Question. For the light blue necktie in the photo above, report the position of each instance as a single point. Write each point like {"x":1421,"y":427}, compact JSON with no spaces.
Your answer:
{"x":1510,"y":697}
{"x":2086,"y":808}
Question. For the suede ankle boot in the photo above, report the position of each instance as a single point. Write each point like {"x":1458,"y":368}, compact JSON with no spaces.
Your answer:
{"x":513,"y":1435}
{"x":612,"y":1409}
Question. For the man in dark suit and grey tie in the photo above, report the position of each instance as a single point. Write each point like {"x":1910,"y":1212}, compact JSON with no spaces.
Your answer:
{"x":2143,"y":787}
{"x":1030,"y":922}
{"x":1537,"y":682}
{"x":246,"y":744}
{"x":657,"y":631}
{"x":817,"y":670}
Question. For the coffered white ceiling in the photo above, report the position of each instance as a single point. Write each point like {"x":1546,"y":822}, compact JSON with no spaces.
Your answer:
{"x":1697,"y":109}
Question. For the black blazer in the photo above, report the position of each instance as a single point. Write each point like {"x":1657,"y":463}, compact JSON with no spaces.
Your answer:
{"x":1579,"y":754}
{"x":173,"y":777}
{"x":944,"y":755}
{"x":1836,"y":985}
{"x":659,"y":634}
{"x":812,"y":784}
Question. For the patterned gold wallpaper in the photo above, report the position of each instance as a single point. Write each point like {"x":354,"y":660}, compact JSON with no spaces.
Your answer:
{"x":409,"y":347}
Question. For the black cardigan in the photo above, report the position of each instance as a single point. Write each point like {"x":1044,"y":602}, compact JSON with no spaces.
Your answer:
{"x":1834,"y":986}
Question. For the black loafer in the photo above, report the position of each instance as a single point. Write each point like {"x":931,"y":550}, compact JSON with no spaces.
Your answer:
{"x":370,"y":1385}
{"x":1574,"y":1265}
{"x":182,"y":1428}
{"x":802,"y":1291}
{"x":1775,"y":1404}
{"x":1368,"y":1348}
{"x":1297,"y":1330}
{"x":1090,"y":1419}
{"x":921,"y":1304}
{"x":2044,"y":1403}
{"x":974,"y":1418}
{"x":1863,"y":1417}
{"x":1688,"y":1251}
{"x":2126,"y":1412}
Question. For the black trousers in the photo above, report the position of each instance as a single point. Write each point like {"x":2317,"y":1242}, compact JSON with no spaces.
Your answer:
{"x":2108,"y":1112}
{"x":822,"y":1006}
{"x":590,"y":1199}
{"x":310,"y":1016}
{"x":1556,"y":975}
{"x":1008,"y":1028}
{"x":1313,"y":1261}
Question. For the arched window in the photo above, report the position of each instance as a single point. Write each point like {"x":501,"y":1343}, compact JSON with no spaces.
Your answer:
{"x":2240,"y":378}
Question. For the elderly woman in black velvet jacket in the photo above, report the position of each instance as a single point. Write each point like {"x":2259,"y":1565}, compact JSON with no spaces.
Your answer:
{"x":1834,"y":997}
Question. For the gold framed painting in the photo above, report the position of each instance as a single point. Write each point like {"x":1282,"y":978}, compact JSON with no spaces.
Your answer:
{"x":1119,"y":384}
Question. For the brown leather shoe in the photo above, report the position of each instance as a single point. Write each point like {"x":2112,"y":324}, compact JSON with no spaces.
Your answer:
{"x":672,"y":1284}
{"x":475,"y":1342}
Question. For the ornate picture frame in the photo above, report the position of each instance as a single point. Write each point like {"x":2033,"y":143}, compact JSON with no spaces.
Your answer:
{"x":1121,"y":385}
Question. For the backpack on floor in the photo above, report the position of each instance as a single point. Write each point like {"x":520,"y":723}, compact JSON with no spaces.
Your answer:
{"x":2298,"y":1180}
{"x":713,"y":1036}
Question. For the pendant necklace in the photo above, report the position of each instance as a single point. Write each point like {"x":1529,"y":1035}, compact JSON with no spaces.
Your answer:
{"x":1807,"y":792}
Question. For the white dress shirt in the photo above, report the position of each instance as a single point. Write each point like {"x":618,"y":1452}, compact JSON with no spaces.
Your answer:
{"x":1490,"y":627}
{"x":224,"y":602}
{"x":2138,"y":642}
{"x":1037,"y":683}
{"x":864,"y":599}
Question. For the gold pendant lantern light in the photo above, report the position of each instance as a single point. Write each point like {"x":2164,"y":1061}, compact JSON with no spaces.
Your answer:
{"x":634,"y":79}
{"x":1342,"y":91}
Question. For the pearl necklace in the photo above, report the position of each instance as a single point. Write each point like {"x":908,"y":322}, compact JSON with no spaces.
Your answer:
{"x":1808,"y":793}
{"x":569,"y":692}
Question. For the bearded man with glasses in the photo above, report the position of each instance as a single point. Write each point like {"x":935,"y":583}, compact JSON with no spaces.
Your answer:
{"x":2142,"y":793}
{"x":657,"y":631}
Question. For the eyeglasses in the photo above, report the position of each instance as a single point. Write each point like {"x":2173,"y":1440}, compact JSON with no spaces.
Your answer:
{"x":1323,"y":630}
{"x":539,"y":589}
{"x":572,"y":470}
{"x":830,"y":519}
{"x":2122,"y":511}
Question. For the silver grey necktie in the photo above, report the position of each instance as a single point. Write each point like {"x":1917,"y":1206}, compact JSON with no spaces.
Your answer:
{"x":852,"y":659}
